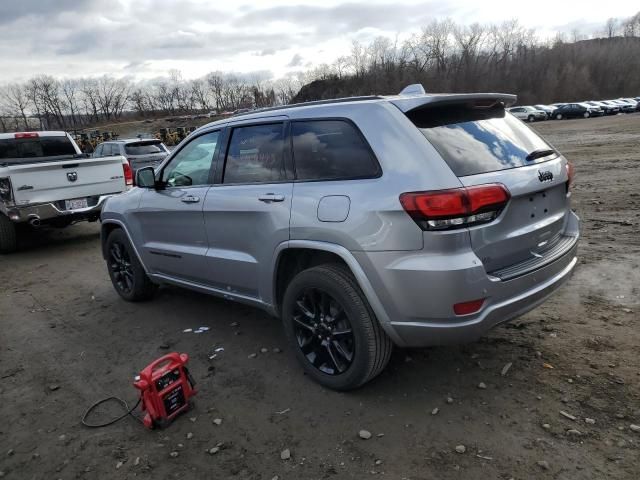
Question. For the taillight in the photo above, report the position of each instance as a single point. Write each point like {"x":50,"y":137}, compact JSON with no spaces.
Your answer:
{"x":457,"y":207}
{"x":570,"y":174}
{"x":26,"y":135}
{"x":128,"y":173}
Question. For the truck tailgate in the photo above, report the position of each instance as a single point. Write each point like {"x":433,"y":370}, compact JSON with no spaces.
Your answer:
{"x":60,"y":180}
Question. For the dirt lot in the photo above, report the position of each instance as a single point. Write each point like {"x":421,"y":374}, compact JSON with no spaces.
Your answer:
{"x":68,"y":340}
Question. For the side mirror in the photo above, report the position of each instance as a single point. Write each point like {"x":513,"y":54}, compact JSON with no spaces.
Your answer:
{"x":146,"y":178}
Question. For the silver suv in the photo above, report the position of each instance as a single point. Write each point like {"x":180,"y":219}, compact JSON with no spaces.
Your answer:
{"x":362,"y":223}
{"x":139,"y":152}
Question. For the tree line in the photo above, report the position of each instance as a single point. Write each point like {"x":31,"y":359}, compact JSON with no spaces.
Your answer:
{"x":443,"y":56}
{"x":446,"y":57}
{"x":45,"y":102}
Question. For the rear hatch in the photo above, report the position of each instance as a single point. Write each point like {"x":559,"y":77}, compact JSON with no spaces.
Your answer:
{"x":145,"y":153}
{"x":482,"y":144}
{"x":46,"y":168}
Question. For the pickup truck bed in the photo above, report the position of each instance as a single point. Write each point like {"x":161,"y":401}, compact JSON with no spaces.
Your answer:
{"x":45,"y":179}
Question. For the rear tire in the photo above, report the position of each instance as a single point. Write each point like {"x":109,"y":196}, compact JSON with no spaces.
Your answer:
{"x":125,"y":270}
{"x":530,"y":119}
{"x":326,"y":301}
{"x":8,"y":237}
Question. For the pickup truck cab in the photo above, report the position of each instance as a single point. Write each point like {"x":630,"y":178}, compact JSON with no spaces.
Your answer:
{"x":46,"y":180}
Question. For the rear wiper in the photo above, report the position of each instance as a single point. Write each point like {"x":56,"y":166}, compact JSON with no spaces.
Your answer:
{"x":540,"y":153}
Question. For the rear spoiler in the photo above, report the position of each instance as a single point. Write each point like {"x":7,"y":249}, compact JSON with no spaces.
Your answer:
{"x":481,"y":100}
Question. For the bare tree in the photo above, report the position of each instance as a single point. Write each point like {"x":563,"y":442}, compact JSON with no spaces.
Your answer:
{"x":611,"y":27}
{"x":16,"y":101}
{"x":70,"y":90}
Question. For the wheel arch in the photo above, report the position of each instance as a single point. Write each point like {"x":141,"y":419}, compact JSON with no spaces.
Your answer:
{"x":316,"y":253}
{"x":108,"y":226}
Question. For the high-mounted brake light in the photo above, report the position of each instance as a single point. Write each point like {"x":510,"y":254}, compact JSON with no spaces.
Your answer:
{"x":26,"y":135}
{"x":457,"y":207}
{"x":128,"y":173}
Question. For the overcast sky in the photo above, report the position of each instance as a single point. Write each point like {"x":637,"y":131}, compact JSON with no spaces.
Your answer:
{"x":146,"y":38}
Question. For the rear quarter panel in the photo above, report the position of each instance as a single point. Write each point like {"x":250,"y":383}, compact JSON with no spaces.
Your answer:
{"x":376,"y":220}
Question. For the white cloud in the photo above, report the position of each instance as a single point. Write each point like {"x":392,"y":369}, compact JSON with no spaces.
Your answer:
{"x":145,"y":38}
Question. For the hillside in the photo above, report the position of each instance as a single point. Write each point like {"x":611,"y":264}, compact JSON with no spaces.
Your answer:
{"x":598,"y":68}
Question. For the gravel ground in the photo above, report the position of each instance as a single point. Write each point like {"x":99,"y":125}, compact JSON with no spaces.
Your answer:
{"x":552,"y":394}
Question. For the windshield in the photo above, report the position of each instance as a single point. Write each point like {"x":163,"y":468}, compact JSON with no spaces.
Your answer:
{"x":24,"y":150}
{"x":474,"y":141}
{"x":146,"y":148}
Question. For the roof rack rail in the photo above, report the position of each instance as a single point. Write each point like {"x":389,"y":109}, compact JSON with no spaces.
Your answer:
{"x":314,"y":102}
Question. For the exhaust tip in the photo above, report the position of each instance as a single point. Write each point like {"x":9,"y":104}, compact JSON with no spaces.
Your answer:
{"x":34,"y":221}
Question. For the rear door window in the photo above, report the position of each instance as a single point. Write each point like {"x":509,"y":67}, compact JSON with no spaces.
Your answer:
{"x":479,"y":140}
{"x":331,"y":150}
{"x":255,"y":154}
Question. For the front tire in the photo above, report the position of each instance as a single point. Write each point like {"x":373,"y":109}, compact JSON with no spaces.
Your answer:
{"x":586,"y":115}
{"x":530,"y":119}
{"x":558,"y":116}
{"x":127,"y":273}
{"x":332,"y":328}
{"x":8,"y":237}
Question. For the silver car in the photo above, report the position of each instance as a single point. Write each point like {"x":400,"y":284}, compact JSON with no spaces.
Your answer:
{"x":362,"y":223}
{"x":530,"y":114}
{"x":140,"y":152}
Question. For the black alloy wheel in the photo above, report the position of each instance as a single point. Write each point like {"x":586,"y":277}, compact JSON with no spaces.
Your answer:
{"x":121,"y":267}
{"x":127,"y":273}
{"x":323,"y":331}
{"x":332,"y":329}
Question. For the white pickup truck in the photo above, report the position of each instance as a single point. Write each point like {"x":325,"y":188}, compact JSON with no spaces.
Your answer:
{"x":46,"y":180}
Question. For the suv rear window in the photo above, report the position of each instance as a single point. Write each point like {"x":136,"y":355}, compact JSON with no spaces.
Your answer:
{"x":479,"y":140}
{"x":23,"y":149}
{"x":330,"y":150}
{"x":147,"y":148}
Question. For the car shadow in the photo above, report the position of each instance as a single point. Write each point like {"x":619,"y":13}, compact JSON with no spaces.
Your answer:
{"x":34,"y":239}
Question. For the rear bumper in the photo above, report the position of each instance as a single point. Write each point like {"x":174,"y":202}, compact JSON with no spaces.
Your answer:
{"x":418,"y":334}
{"x":48,"y":212}
{"x":418,"y":291}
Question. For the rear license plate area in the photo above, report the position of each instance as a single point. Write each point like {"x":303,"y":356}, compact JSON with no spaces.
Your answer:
{"x":539,"y":204}
{"x":75,"y":204}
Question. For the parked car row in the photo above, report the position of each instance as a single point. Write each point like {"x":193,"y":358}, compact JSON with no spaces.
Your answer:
{"x":587,"y":109}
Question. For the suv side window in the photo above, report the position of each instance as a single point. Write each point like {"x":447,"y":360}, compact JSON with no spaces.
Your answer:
{"x":191,"y":166}
{"x":331,"y":150}
{"x":255,"y":154}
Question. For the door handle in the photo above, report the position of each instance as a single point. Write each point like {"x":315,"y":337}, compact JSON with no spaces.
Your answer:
{"x":271,"y":197}
{"x":190,"y":199}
